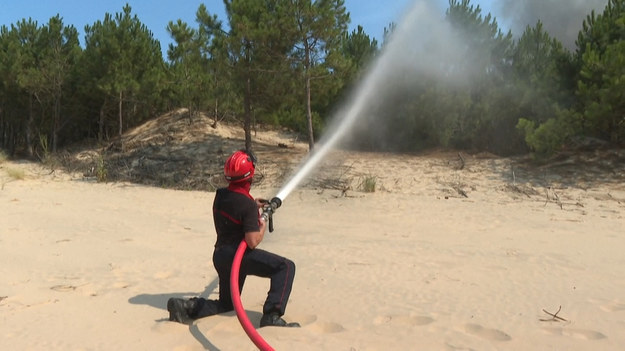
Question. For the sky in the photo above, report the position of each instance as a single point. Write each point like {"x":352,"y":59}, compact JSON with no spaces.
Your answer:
{"x":372,"y":15}
{"x":562,"y":17}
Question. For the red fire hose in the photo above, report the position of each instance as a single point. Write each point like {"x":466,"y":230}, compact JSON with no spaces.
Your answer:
{"x":238,"y":306}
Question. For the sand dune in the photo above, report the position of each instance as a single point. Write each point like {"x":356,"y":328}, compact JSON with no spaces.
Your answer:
{"x":440,"y":257}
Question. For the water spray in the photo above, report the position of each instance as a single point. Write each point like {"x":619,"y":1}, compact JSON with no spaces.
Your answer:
{"x":339,"y":127}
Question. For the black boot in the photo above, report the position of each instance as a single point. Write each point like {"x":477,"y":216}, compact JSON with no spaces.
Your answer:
{"x":180,"y":310}
{"x":273,"y":319}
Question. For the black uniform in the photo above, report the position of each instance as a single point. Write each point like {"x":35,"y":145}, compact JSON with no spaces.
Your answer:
{"x":235,"y":213}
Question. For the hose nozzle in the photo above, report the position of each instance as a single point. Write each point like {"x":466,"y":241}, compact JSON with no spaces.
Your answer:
{"x":268,"y":209}
{"x":275,"y":202}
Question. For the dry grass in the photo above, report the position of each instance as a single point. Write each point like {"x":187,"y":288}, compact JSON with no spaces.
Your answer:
{"x":16,"y":173}
{"x":12,"y":173}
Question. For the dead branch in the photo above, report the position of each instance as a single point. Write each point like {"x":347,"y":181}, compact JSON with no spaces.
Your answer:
{"x":554,"y":316}
{"x":513,"y":175}
{"x":613,"y":198}
{"x":340,"y":182}
{"x":525,"y":190}
{"x":334,"y":184}
{"x":462,"y":162}
{"x":461,"y":192}
{"x":556,"y":198}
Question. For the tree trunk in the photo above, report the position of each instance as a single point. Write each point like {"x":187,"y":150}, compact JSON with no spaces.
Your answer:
{"x":215,"y":112}
{"x":56,"y":122}
{"x":247,"y":120}
{"x":311,"y":136}
{"x":101,"y":123}
{"x":121,"y":120}
{"x":29,"y":129}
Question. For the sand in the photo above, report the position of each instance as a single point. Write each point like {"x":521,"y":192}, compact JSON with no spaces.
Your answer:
{"x":442,"y":256}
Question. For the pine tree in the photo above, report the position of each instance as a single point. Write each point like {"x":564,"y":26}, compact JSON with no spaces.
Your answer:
{"x":601,"y":57}
{"x":256,"y":46}
{"x":320,"y":26}
{"x":60,"y":51}
{"x":28,"y":76}
{"x":126,"y":64}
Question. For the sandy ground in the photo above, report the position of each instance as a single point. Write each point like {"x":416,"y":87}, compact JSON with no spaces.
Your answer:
{"x":442,"y":256}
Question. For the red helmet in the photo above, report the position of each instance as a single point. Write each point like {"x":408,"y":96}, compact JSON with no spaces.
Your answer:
{"x":240,"y":166}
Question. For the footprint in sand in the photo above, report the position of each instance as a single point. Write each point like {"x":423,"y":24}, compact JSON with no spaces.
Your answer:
{"x":63,"y":288}
{"x":608,"y":306}
{"x":305,"y":320}
{"x":310,"y":322}
{"x":613,"y":307}
{"x":486,"y":333}
{"x":403,"y":320}
{"x":326,"y":327}
{"x":163,"y":275}
{"x":121,"y":285}
{"x":583,"y":334}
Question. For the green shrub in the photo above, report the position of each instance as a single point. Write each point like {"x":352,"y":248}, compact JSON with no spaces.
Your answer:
{"x":45,"y":149}
{"x":101,"y":171}
{"x":369,"y":183}
{"x":544,"y":139}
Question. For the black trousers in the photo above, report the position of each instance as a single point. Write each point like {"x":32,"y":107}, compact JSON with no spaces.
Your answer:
{"x":256,"y":262}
